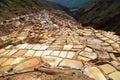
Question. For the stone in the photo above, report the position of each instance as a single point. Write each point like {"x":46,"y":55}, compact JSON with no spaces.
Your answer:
{"x":88,"y":54}
{"x":2,"y":50}
{"x":67,"y":47}
{"x":55,"y":26}
{"x":30,"y":46}
{"x":47,"y":52}
{"x":55,"y":48}
{"x":104,"y":39}
{"x":118,"y":50}
{"x":78,"y":46}
{"x":107,"y":68}
{"x":88,"y":49}
{"x":43,"y":22}
{"x":6,"y":69}
{"x":116,"y":63}
{"x":55,"y":53}
{"x":4,"y":38}
{"x":44,"y":47}
{"x":110,"y":41}
{"x":115,"y":75}
{"x":8,"y":62}
{"x":38,"y":53}
{"x":63,"y":54}
{"x":103,"y":56}
{"x":113,"y":56}
{"x":83,"y":58}
{"x":13,"y":51}
{"x":22,"y":36}
{"x":71,"y":64}
{"x":99,"y":35}
{"x":109,"y":48}
{"x":105,"y":44}
{"x":70,"y":55}
{"x":3,"y":54}
{"x":17,"y":23}
{"x":37,"y":47}
{"x":29,"y":53}
{"x":22,"y":46}
{"x":94,"y":41}
{"x":95,"y":46}
{"x":2,"y":60}
{"x":118,"y":58}
{"x":52,"y":61}
{"x":17,"y":60}
{"x":115,"y":45}
{"x":27,"y":64}
{"x":9,"y":46}
{"x":20,"y":53}
{"x":94,"y":72}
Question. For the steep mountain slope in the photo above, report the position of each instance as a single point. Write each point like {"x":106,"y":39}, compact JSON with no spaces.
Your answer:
{"x":72,"y":4}
{"x":103,"y":14}
{"x":51,"y":45}
{"x":12,"y":8}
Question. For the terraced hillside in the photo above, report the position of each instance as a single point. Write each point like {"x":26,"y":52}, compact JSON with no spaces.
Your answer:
{"x":13,"y":8}
{"x":50,"y":45}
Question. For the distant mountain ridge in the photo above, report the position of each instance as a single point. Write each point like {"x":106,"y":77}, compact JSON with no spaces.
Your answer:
{"x":72,"y":4}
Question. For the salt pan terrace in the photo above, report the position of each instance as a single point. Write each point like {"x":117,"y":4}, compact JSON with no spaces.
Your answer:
{"x":58,"y":43}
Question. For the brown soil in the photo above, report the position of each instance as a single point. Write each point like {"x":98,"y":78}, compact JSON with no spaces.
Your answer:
{"x":65,"y":75}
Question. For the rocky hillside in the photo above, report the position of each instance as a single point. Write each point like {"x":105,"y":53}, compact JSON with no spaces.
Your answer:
{"x":51,"y":45}
{"x":13,"y":8}
{"x":102,"y":14}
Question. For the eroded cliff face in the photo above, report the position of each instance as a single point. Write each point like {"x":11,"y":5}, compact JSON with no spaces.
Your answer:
{"x":101,"y":14}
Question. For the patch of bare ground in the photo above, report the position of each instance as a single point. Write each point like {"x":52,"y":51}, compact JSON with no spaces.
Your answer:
{"x":55,"y":75}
